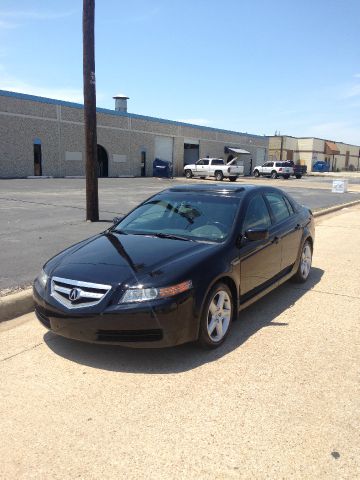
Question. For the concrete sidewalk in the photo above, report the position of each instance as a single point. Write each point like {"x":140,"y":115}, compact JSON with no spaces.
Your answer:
{"x":281,"y":399}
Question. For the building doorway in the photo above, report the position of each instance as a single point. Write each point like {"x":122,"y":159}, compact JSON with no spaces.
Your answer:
{"x":143,"y":164}
{"x":191,"y":153}
{"x":103,"y":162}
{"x":37,"y":158}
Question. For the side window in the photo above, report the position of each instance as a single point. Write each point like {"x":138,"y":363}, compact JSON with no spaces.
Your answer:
{"x":290,"y":207}
{"x":257,"y":215}
{"x":200,"y":162}
{"x":205,"y":162}
{"x":278,"y":206}
{"x":217,"y":162}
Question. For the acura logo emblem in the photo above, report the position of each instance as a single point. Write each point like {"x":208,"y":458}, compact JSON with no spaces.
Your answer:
{"x":74,"y":294}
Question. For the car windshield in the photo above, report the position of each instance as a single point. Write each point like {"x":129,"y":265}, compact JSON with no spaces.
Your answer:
{"x":206,"y":218}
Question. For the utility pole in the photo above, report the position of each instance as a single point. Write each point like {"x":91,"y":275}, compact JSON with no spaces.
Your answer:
{"x":92,"y":199}
{"x":281,"y":147}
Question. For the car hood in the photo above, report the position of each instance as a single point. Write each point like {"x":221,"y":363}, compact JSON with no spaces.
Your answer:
{"x":112,"y":258}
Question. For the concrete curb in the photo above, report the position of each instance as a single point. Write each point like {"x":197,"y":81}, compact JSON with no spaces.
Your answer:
{"x":12,"y":306}
{"x":335,"y":208}
{"x":16,"y":304}
{"x":334,"y":175}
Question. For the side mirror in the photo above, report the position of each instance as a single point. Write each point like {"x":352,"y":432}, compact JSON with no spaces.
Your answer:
{"x":254,"y":234}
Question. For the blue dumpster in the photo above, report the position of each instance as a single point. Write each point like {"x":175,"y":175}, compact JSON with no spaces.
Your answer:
{"x":162,"y":168}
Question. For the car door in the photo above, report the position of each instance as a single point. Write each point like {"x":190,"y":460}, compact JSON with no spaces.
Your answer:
{"x":216,"y":165}
{"x":287,"y":227}
{"x":267,"y":168}
{"x":259,"y":260}
{"x":206,"y":167}
{"x":199,"y":167}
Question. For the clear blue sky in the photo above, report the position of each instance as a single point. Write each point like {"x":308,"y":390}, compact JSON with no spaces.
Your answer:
{"x":253,"y":66}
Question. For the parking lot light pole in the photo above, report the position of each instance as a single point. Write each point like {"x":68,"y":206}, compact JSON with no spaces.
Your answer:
{"x":92,"y":199}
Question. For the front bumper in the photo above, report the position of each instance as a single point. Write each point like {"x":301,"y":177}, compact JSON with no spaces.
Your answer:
{"x":166,"y":323}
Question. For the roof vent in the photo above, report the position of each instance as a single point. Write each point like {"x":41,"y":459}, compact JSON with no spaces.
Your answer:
{"x":121,"y":102}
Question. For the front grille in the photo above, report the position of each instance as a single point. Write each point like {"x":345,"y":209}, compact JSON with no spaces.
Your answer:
{"x":42,"y":318}
{"x":77,"y":294}
{"x":129,"y":335}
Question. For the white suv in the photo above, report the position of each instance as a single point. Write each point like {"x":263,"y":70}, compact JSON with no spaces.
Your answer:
{"x":274,"y":170}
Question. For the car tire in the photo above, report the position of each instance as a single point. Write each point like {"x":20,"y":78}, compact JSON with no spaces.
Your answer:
{"x":219,"y":176}
{"x":304,"y":268}
{"x":274,"y":174}
{"x":188,"y":174}
{"x":298,"y":176}
{"x":232,"y":179}
{"x":216,"y":318}
{"x":256,"y":173}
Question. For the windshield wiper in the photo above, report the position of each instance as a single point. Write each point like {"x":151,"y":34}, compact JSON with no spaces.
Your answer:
{"x":172,"y":236}
{"x":159,"y":235}
{"x":122,"y":232}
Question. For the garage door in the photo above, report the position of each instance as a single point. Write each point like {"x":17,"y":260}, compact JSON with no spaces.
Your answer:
{"x":260,"y":156}
{"x":164,"y":148}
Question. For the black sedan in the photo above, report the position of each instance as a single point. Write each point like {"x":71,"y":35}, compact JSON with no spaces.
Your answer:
{"x":177,"y":268}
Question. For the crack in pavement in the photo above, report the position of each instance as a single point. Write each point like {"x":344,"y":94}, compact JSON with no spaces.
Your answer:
{"x":326,"y":293}
{"x":56,"y":206}
{"x":22,"y":351}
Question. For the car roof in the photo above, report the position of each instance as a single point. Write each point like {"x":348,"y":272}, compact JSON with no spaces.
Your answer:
{"x":220,"y":189}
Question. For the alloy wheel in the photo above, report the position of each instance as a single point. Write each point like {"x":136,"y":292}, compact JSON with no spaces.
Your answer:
{"x":219,"y":316}
{"x":305,"y":264}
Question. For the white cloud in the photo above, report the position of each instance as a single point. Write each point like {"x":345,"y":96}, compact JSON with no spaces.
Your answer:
{"x":356,"y":75}
{"x":195,"y":121}
{"x":9,"y":82}
{"x":353,"y":91}
{"x":338,"y":131}
{"x":35,"y":15}
{"x":5,"y":25}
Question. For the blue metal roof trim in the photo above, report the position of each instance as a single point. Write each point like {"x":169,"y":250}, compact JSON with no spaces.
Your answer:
{"x":52,"y":101}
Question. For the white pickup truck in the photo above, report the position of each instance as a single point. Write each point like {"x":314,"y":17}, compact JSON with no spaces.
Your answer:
{"x":214,"y":167}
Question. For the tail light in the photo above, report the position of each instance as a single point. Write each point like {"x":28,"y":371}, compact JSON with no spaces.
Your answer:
{"x":280,"y":169}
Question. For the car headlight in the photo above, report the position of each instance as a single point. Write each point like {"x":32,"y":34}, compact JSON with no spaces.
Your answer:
{"x":133,"y":295}
{"x":43,"y":278}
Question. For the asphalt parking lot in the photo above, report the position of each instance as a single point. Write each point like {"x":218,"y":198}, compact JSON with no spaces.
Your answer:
{"x":40,"y":217}
{"x":279,"y":400}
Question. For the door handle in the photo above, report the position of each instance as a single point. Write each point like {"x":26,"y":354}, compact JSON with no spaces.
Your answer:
{"x":275,"y":240}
